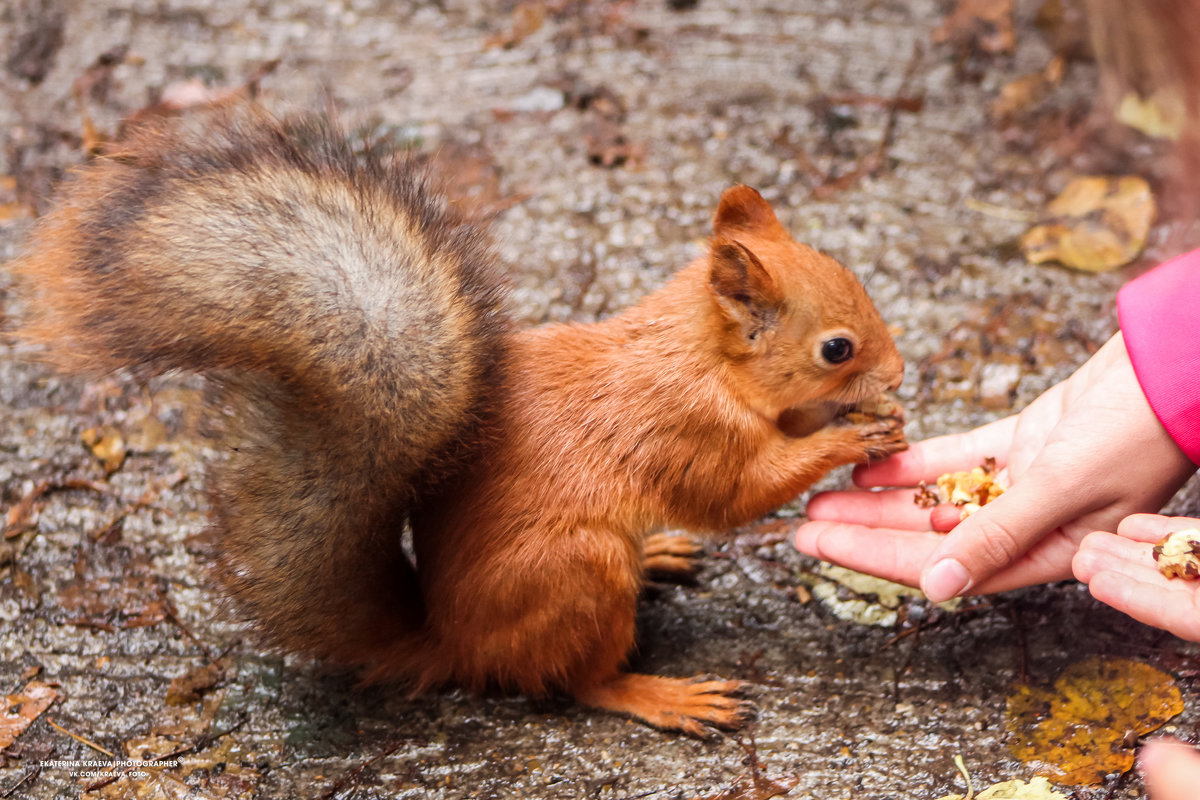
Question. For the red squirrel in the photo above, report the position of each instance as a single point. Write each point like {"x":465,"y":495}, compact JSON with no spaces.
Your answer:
{"x":370,"y":379}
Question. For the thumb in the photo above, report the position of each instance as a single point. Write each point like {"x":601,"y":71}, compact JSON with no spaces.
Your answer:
{"x":997,"y":535}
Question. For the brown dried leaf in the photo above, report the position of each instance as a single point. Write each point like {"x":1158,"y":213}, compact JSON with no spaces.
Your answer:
{"x":131,"y":598}
{"x":190,"y":686}
{"x":22,"y":708}
{"x":527,"y":19}
{"x":1088,"y":724}
{"x":986,"y":25}
{"x":107,"y":445}
{"x":608,"y":146}
{"x":1097,"y":224}
{"x":1064,"y":23}
{"x":1027,"y":91}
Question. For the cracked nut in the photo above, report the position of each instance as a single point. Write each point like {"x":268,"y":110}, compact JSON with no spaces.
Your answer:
{"x":1178,"y":554}
{"x":969,"y":490}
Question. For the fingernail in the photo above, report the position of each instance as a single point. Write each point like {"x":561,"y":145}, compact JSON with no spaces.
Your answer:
{"x":944,"y":580}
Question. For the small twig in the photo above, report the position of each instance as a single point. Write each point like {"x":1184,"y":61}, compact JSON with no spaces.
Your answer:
{"x":116,"y":776}
{"x":1000,"y":212}
{"x":33,"y":773}
{"x":872,"y":162}
{"x":962,"y":768}
{"x":16,"y":521}
{"x":80,"y":739}
{"x":199,"y":744}
{"x":354,"y":773}
{"x":80,"y":622}
{"x":915,"y":630}
{"x":173,"y":615}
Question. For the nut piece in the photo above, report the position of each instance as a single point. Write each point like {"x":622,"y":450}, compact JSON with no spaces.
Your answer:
{"x":970,"y":490}
{"x":882,"y":407}
{"x":1178,"y":554}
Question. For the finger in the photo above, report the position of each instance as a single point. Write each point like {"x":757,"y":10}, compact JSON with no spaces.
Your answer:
{"x":896,"y":555}
{"x":1047,"y":561}
{"x":1170,"y":768}
{"x":1153,"y":527}
{"x":1156,"y":602}
{"x":892,"y":509}
{"x":1106,"y":552}
{"x":925,"y":461}
{"x":945,"y":517}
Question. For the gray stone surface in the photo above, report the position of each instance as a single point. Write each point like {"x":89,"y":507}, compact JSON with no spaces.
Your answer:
{"x":773,"y":94}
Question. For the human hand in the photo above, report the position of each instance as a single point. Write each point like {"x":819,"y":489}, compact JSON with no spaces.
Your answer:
{"x":1170,"y":768}
{"x":1067,"y":460}
{"x":1119,"y":570}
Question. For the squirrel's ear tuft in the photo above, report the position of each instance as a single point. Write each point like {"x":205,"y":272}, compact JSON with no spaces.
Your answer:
{"x":742,"y":287}
{"x":744,"y":209}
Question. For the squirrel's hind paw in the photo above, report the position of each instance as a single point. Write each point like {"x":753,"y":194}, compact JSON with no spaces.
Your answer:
{"x":671,"y":557}
{"x":674,"y":704}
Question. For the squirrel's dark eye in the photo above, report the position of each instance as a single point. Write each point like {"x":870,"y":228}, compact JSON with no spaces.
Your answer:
{"x":837,"y":350}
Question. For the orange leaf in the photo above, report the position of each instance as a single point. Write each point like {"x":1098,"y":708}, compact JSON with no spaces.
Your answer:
{"x":22,"y":708}
{"x":1088,"y":724}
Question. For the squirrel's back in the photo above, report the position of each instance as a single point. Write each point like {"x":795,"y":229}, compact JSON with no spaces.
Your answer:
{"x":350,"y":315}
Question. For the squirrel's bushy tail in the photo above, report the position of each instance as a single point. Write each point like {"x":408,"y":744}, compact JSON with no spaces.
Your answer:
{"x":350,"y":317}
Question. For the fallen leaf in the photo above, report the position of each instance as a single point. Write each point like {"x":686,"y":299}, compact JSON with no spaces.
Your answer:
{"x":1036,"y":789}
{"x":527,"y":19}
{"x":1064,"y":23}
{"x":983,"y":24}
{"x":11,"y":211}
{"x":1161,"y":115}
{"x":131,"y":596}
{"x":1097,"y":224}
{"x":15,"y":209}
{"x":190,"y":686}
{"x":608,"y":146}
{"x":22,"y":708}
{"x":1027,"y":91}
{"x":1087,"y":726}
{"x":107,"y":445}
{"x":863,"y":599}
{"x":753,"y":786}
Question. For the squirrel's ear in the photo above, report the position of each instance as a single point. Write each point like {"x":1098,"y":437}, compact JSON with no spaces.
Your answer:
{"x":742,"y":287}
{"x":743,"y":209}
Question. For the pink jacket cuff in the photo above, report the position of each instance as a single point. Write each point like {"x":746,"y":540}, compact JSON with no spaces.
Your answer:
{"x":1159,"y":314}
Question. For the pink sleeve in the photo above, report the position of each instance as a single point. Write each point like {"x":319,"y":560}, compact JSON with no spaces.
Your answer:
{"x":1160,"y":321}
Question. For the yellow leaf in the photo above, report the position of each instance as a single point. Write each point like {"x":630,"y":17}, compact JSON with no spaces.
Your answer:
{"x":107,"y":445}
{"x":1097,"y":224}
{"x":1088,"y":724}
{"x":1036,"y":789}
{"x":1161,"y":115}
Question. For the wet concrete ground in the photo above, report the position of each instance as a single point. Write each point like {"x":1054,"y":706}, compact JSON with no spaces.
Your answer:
{"x":607,"y":130}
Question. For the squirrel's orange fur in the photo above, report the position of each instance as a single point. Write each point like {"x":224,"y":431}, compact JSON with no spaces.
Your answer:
{"x":351,"y":318}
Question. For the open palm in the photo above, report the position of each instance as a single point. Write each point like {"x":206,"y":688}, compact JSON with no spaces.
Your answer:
{"x":1066,"y":458}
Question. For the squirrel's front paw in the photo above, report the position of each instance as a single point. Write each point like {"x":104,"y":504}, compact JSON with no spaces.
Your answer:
{"x":878,"y":428}
{"x":882,"y":438}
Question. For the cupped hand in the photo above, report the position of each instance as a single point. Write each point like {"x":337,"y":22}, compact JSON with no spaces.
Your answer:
{"x":1120,"y":571}
{"x":1081,"y":457}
